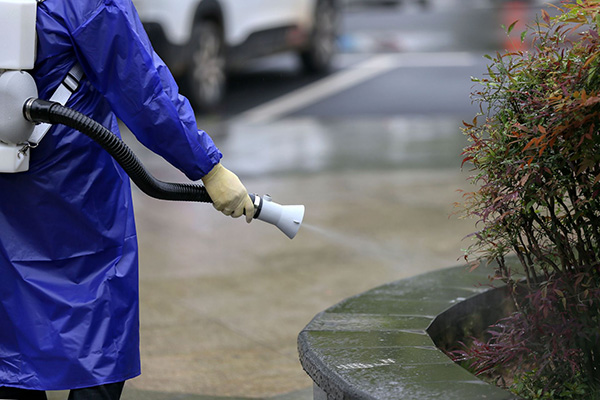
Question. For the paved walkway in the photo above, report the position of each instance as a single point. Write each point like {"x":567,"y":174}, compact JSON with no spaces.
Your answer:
{"x":222,"y":302}
{"x":131,"y":393}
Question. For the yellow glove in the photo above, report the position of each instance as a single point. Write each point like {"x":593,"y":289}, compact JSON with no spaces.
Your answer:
{"x":228,"y":193}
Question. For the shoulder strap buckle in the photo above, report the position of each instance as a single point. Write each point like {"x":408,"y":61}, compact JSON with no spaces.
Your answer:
{"x":63,"y":93}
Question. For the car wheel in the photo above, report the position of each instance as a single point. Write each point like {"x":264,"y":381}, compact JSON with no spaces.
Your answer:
{"x":205,"y":77}
{"x":317,"y":57}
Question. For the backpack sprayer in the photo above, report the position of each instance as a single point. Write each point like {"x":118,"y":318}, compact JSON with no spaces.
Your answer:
{"x":25,"y":119}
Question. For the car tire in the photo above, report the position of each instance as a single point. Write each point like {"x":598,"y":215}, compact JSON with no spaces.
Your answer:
{"x":318,"y":55}
{"x":205,"y":78}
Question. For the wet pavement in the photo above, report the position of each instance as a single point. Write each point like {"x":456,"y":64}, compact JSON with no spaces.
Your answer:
{"x":222,"y":302}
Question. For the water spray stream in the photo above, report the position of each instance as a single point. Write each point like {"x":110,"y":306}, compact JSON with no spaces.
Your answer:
{"x":362,"y":246}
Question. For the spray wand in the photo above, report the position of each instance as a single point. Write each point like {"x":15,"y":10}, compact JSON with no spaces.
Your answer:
{"x":18,"y":99}
{"x":287,"y":218}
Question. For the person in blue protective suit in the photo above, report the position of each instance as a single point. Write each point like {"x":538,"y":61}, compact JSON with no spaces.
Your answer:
{"x":68,"y":248}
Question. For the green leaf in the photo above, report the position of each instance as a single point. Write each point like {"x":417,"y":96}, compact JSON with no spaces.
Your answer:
{"x":512,"y":26}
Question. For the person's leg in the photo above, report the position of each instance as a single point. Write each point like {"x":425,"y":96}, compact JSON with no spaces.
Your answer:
{"x":21,"y":394}
{"x":112,"y":391}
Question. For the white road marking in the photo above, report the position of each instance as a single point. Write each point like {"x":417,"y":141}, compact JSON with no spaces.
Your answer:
{"x":350,"y":77}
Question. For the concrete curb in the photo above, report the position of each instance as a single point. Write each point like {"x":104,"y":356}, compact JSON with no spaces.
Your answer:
{"x":379,"y":345}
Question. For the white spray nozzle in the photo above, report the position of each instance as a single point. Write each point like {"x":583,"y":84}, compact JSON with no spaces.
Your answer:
{"x":287,"y":218}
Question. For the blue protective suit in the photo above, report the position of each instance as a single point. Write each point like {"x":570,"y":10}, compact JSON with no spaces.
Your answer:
{"x":68,"y":248}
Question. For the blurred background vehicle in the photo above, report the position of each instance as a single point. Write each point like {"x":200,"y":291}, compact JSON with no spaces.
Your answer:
{"x":203,"y":40}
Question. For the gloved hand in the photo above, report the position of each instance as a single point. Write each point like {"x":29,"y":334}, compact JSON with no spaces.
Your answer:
{"x":228,"y":193}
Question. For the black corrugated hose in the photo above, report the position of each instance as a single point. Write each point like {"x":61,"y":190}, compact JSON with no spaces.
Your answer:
{"x":39,"y":111}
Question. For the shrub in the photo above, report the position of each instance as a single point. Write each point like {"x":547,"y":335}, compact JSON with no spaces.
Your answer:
{"x":535,"y":152}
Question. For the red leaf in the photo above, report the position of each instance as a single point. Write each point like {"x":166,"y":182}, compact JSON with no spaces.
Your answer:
{"x":532,"y":142}
{"x":546,"y":16}
{"x":466,"y":159}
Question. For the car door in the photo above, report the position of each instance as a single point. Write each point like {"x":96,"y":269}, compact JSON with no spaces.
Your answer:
{"x":249,"y":16}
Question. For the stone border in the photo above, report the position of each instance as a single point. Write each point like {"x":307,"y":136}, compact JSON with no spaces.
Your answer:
{"x":381,"y":344}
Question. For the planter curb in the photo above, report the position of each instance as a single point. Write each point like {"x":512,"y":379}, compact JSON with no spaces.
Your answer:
{"x":382,"y":344}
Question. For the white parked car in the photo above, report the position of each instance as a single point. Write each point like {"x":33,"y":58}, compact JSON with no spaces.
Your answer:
{"x":201,"y":40}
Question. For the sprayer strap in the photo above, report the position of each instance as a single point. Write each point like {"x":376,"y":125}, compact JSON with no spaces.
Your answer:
{"x":67,"y":87}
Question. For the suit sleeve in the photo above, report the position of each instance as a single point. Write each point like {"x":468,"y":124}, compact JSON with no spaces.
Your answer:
{"x":118,"y":59}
